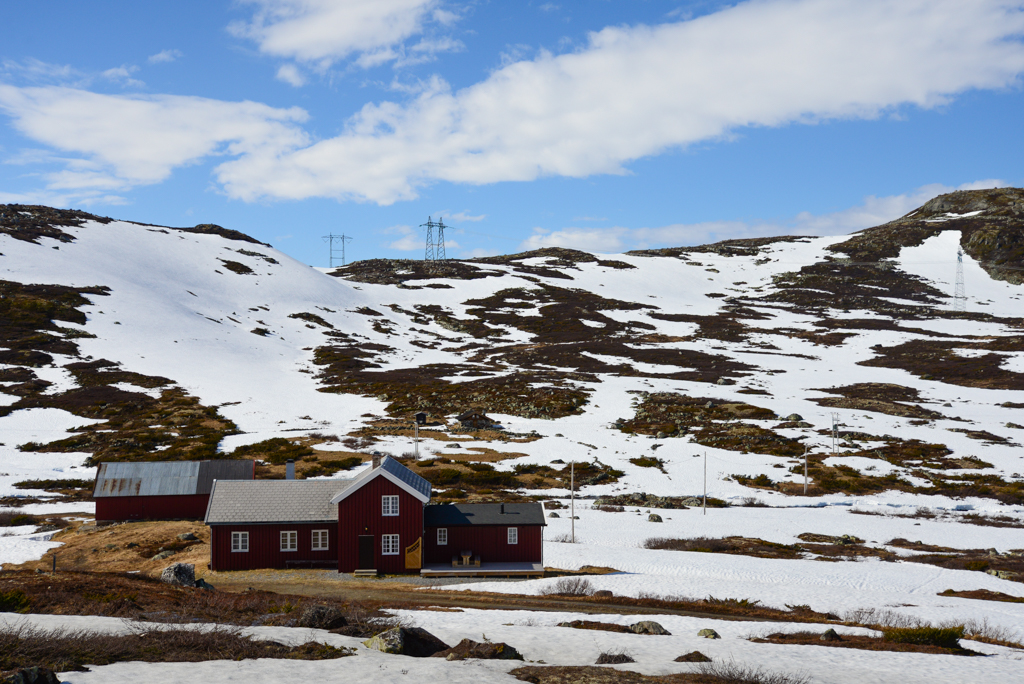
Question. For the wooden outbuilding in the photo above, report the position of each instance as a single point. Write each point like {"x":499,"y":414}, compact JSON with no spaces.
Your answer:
{"x":475,"y":420}
{"x":161,"y":490}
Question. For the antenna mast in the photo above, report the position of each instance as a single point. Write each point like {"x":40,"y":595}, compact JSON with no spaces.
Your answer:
{"x":331,"y":239}
{"x":959,"y":295}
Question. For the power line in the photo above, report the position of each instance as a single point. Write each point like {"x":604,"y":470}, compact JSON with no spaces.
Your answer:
{"x":342,"y":239}
{"x":435,"y":250}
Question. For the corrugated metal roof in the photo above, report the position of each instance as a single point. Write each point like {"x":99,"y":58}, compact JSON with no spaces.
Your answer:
{"x":166,"y":478}
{"x":455,"y":515}
{"x":394,"y":471}
{"x":273,"y":501}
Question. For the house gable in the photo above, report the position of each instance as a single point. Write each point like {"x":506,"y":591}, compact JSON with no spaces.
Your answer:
{"x":394,"y":472}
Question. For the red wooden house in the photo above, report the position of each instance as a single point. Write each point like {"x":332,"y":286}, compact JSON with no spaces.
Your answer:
{"x":161,"y":490}
{"x":273,"y":524}
{"x":380,"y":520}
{"x":377,"y":522}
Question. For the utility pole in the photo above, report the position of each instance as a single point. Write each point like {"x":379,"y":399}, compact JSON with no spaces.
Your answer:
{"x":959,"y":295}
{"x":705,"y":483}
{"x":805,"y":469}
{"x":342,"y":239}
{"x":835,"y":431}
{"x":416,"y":440}
{"x":572,"y":498}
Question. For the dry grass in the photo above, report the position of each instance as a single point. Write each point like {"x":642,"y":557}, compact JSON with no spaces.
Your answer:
{"x":64,"y":650}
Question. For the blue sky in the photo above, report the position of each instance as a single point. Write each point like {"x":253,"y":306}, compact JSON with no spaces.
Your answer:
{"x":598,"y":124}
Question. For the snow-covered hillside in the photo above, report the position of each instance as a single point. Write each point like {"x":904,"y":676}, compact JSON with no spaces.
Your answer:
{"x":132,"y":341}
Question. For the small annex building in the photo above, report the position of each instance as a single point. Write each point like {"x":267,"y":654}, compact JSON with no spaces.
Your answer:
{"x":162,"y":490}
{"x":273,"y":524}
{"x":376,"y":522}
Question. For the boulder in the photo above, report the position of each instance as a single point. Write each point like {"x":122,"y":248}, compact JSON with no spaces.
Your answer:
{"x":794,"y":416}
{"x":830,"y":635}
{"x":389,"y":641}
{"x":181,"y":574}
{"x":411,"y":641}
{"x":467,"y":648}
{"x":602,"y":593}
{"x":188,"y":536}
{"x":163,"y":555}
{"x":693,"y":657}
{"x":203,"y":584}
{"x":322,"y":617}
{"x":654,"y":517}
{"x":419,"y":643}
{"x":709,"y":634}
{"x":648,"y":627}
{"x":30,"y":675}
{"x":552,"y":514}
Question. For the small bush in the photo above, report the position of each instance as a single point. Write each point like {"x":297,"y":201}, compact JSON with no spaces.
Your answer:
{"x":734,"y":673}
{"x":14,"y":601}
{"x":943,"y":637}
{"x":571,"y":586}
{"x":13,"y":518}
{"x":614,"y":658}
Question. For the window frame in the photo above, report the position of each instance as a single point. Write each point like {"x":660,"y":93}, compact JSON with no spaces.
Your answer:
{"x":513,"y":535}
{"x":321,"y":541}
{"x":239,"y":542}
{"x":386,"y":542}
{"x":389,"y":505}
{"x":442,"y":536}
{"x":293,"y":537}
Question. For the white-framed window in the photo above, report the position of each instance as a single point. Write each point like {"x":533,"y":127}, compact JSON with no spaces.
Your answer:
{"x":240,"y":542}
{"x":389,"y":544}
{"x":320,"y":540}
{"x":513,"y":535}
{"x":389,"y":504}
{"x":442,"y":536}
{"x":290,"y":541}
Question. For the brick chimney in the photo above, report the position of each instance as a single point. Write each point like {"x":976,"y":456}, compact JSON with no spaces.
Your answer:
{"x":376,"y":459}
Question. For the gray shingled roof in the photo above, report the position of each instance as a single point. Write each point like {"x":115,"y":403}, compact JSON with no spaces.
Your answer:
{"x":454,"y":515}
{"x":167,"y":478}
{"x":273,"y":501}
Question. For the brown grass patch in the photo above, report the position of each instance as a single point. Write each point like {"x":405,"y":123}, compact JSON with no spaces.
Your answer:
{"x":64,"y":650}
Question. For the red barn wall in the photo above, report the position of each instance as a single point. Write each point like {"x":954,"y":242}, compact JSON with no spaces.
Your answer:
{"x":177,"y":507}
{"x":359,"y":514}
{"x":265,"y":546}
{"x":490,"y":542}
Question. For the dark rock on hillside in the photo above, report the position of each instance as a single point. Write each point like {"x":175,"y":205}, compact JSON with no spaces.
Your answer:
{"x":214,"y":229}
{"x":467,"y":648}
{"x":30,"y":222}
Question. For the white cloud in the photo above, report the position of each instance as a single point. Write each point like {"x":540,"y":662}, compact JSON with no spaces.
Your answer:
{"x":323,"y":31}
{"x":872,"y":211}
{"x":629,"y":92}
{"x":129,"y":140}
{"x":637,"y":91}
{"x":290,"y":74}
{"x":165,"y":56}
{"x":123,"y":75}
{"x":461,"y":216}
